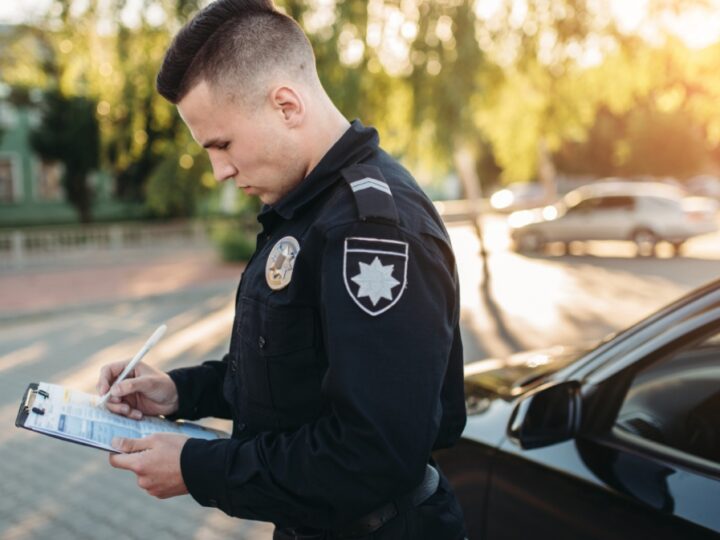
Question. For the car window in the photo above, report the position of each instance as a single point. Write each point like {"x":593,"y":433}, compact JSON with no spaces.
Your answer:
{"x":593,"y":204}
{"x":676,"y":400}
{"x":616,"y":203}
{"x":664,"y":204}
{"x":585,"y":205}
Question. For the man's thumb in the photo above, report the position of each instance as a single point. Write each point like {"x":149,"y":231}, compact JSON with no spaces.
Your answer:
{"x":123,"y":444}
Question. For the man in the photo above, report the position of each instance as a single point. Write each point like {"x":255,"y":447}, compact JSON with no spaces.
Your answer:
{"x":345,"y":362}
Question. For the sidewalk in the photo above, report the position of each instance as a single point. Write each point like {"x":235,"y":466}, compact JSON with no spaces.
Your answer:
{"x":101,"y":280}
{"x":61,"y":322}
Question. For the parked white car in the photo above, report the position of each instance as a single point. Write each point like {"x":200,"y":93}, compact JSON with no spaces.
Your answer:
{"x":705,"y":185}
{"x":519,"y":196}
{"x":642,"y":212}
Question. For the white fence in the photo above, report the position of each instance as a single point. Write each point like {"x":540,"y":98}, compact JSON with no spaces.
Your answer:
{"x":21,"y":248}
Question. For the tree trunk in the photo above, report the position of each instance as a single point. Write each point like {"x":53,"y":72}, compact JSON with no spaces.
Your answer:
{"x":79,"y":195}
{"x":546,"y":172}
{"x":466,"y":167}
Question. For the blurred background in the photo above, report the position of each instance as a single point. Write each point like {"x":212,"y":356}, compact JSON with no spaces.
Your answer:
{"x":572,"y":147}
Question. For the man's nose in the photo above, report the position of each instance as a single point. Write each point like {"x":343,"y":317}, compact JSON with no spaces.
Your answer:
{"x":222,"y":169}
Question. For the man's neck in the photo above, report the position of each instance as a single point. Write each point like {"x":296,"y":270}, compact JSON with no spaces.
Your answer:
{"x":325,"y":135}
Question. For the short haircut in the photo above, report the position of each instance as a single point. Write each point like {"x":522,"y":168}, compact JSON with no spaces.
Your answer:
{"x":235,"y":46}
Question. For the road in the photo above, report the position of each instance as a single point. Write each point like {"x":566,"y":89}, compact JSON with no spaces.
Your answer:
{"x":538,"y":301}
{"x":53,"y":489}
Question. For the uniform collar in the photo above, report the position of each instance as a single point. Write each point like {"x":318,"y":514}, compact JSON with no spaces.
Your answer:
{"x":356,"y":144}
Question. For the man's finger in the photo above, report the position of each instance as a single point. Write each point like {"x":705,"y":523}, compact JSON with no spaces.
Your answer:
{"x":108,"y":374}
{"x":124,"y":409}
{"x":129,"y":462}
{"x":103,"y":384}
{"x":129,"y":445}
{"x":130,"y":386}
{"x":118,"y":408}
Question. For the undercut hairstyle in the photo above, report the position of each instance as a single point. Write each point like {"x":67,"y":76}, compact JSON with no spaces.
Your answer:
{"x":236,"y":46}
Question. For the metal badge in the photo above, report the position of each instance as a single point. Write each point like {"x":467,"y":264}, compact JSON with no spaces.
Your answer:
{"x":280,"y":263}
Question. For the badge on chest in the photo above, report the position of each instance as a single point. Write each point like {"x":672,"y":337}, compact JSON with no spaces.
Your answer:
{"x":280,"y":263}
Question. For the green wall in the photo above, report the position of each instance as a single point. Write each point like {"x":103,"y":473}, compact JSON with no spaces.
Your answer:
{"x":28,"y":207}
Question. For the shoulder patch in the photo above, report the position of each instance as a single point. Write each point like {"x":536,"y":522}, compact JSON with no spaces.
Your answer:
{"x":375,"y":272}
{"x":372,"y":194}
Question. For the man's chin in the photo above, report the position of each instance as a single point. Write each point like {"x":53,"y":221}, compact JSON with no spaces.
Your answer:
{"x":265,"y":198}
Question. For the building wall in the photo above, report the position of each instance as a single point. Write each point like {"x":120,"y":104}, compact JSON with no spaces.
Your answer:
{"x":30,"y":190}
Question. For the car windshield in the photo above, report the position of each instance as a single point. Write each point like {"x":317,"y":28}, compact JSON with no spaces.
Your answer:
{"x":560,"y":208}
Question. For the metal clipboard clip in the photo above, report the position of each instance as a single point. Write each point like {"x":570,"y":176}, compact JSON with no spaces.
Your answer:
{"x":30,"y":401}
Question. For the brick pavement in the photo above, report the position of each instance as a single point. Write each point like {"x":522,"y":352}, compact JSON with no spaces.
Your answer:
{"x":54,"y":489}
{"x":108,"y":278}
{"x":60,"y":324}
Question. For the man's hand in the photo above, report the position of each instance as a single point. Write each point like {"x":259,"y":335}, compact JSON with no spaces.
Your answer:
{"x":156,"y":462}
{"x":146,"y":390}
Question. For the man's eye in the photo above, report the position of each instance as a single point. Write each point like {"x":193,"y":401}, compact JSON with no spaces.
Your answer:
{"x":223,"y":146}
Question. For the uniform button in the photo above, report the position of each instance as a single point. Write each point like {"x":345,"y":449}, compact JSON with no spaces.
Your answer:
{"x":261,"y":342}
{"x":241,"y":426}
{"x":213,"y":503}
{"x":233,"y":365}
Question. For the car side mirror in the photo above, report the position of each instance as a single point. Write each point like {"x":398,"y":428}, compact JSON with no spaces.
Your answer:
{"x":547,"y":415}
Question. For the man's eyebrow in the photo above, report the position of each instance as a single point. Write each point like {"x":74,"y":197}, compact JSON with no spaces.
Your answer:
{"x":213,"y":142}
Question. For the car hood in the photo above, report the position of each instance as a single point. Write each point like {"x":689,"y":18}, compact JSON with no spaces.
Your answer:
{"x":510,"y":377}
{"x":523,"y":218}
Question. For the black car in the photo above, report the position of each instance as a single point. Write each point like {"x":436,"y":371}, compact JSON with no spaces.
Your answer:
{"x":618,"y":441}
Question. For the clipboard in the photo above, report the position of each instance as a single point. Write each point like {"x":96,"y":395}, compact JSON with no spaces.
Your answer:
{"x":73,"y":416}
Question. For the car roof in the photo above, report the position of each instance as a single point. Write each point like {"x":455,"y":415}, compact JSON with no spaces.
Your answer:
{"x":627,"y":189}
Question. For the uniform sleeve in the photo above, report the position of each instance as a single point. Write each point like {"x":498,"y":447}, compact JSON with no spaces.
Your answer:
{"x":200,"y":390}
{"x":383,"y":385}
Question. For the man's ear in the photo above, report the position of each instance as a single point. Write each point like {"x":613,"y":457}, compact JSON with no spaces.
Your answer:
{"x":288,"y":102}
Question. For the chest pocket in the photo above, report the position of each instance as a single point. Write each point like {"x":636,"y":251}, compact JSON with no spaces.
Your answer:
{"x":280,"y":367}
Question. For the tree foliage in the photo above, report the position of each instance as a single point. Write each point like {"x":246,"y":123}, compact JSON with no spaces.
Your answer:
{"x":69,"y":133}
{"x":178,"y":182}
{"x":114,"y":65}
{"x":516,"y":81}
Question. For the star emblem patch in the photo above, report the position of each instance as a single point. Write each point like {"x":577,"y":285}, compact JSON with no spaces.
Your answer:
{"x":375,"y":272}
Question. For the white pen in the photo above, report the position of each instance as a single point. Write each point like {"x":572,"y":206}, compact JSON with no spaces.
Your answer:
{"x":134,"y":362}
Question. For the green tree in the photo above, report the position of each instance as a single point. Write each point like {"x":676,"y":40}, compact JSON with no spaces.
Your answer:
{"x":69,"y":133}
{"x":114,"y":64}
{"x":178,"y":181}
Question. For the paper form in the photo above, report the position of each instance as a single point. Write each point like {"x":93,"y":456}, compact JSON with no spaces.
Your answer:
{"x":75,"y":416}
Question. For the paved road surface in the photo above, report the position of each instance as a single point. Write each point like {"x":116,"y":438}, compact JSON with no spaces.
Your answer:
{"x":58,"y":490}
{"x":544,"y":300}
{"x":52,"y":489}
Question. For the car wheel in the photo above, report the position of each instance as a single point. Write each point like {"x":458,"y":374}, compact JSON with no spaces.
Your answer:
{"x":646,"y":241}
{"x":532,"y":242}
{"x":678,"y":248}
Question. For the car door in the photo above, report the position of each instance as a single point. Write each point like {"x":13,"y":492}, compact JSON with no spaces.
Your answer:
{"x":612,"y":218}
{"x":577,"y":223}
{"x":648,"y":467}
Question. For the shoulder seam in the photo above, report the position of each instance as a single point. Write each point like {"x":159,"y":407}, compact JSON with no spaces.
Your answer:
{"x":405,"y":231}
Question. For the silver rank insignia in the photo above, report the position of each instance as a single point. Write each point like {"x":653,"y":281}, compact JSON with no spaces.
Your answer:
{"x":375,"y":272}
{"x":280,"y":263}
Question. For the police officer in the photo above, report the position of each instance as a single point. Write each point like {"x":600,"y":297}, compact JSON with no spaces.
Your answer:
{"x":345,"y":363}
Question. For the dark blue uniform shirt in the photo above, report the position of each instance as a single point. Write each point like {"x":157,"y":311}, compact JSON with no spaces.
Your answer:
{"x":340,"y":384}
